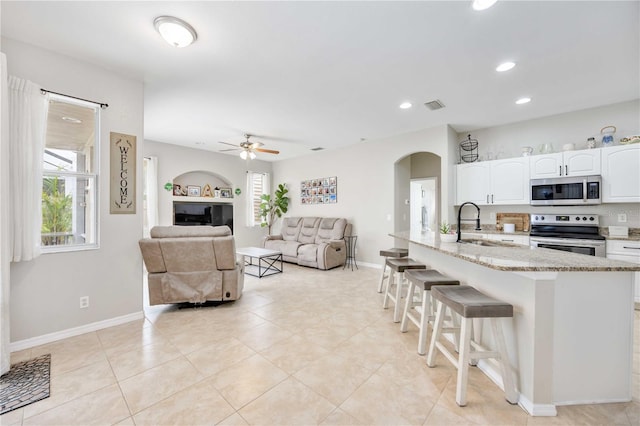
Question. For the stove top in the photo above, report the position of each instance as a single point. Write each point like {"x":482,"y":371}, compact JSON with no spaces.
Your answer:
{"x":572,"y":226}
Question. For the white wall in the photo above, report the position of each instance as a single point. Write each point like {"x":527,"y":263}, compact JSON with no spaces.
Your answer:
{"x":45,"y":292}
{"x":573,"y":127}
{"x":176,"y":160}
{"x":367,"y":192}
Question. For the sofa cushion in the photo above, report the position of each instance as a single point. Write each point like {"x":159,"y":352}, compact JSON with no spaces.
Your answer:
{"x":288,"y":248}
{"x":308,"y":253}
{"x":331,"y":229}
{"x":291,"y":228}
{"x":309,"y":230}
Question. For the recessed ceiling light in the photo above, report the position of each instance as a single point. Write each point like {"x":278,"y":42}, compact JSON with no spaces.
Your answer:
{"x":405,"y":105}
{"x":523,"y":101}
{"x":72,"y":120}
{"x":175,"y":31}
{"x":505,"y":66}
{"x":482,"y":4}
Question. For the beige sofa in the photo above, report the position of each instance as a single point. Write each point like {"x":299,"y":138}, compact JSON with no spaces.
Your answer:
{"x":192,"y":264}
{"x":311,"y":241}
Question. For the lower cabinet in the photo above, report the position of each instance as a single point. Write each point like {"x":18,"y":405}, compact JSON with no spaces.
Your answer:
{"x":627,"y":251}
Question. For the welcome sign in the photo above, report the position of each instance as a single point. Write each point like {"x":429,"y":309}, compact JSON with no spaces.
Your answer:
{"x":123,"y":174}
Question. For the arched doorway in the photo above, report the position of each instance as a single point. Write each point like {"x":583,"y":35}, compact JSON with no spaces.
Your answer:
{"x":419,"y":168}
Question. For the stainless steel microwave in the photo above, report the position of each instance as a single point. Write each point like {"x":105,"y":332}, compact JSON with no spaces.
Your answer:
{"x":566,"y":191}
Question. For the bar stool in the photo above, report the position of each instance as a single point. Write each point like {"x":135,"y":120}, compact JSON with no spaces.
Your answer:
{"x":396,"y":275}
{"x":470,"y":303}
{"x":394,"y":252}
{"x":421,"y":280}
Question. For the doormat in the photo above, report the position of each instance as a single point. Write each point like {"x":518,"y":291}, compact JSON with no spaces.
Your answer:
{"x":25,"y":383}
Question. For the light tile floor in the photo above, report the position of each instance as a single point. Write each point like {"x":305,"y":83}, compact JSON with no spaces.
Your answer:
{"x":303,"y":347}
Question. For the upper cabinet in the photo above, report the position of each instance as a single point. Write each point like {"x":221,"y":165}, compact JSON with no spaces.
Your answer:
{"x":569,"y":163}
{"x":494,"y":182}
{"x":621,"y":174}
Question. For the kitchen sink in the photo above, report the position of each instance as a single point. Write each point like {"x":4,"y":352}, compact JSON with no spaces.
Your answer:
{"x":484,"y":243}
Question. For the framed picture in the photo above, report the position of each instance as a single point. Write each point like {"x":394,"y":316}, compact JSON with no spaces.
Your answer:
{"x":319,"y":191}
{"x":225,"y":192}
{"x":193,"y":191}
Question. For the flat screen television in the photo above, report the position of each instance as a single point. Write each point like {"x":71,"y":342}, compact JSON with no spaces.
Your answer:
{"x":195,"y":213}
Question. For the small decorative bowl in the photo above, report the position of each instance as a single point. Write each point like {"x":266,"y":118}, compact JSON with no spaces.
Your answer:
{"x":448,"y":238}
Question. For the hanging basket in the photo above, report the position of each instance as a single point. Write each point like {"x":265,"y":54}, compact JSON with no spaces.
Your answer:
{"x":469,"y":150}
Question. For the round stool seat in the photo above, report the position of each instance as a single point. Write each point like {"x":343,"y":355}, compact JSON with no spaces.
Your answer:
{"x":404,"y":263}
{"x":471,"y":303}
{"x":395,"y":252}
{"x":428,"y":277}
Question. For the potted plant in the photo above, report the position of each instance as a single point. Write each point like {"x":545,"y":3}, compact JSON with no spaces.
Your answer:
{"x":273,"y":208}
{"x":446,"y":233}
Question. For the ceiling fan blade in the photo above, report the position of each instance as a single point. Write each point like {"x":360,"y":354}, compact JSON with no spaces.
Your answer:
{"x":230,"y":144}
{"x":256,"y":145}
{"x":230,"y":149}
{"x":268,"y":151}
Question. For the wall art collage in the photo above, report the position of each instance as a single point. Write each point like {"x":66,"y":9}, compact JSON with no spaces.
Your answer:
{"x":319,"y":191}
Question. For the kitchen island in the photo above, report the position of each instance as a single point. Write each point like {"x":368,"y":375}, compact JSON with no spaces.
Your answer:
{"x":571,"y":338}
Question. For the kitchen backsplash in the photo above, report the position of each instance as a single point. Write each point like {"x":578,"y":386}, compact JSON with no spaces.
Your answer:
{"x":607,"y":213}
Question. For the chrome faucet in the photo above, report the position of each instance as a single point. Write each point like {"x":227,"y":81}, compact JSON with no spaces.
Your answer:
{"x":459,"y":220}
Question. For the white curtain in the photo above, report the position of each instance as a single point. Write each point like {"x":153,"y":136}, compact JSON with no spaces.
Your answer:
{"x":5,"y":354}
{"x":27,"y":127}
{"x":151,"y":190}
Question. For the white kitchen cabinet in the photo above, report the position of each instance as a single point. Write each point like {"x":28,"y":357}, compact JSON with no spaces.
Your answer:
{"x":494,"y":182}
{"x":621,"y":174}
{"x":472,"y":182}
{"x":584,"y":162}
{"x":628,"y":251}
{"x":509,"y":238}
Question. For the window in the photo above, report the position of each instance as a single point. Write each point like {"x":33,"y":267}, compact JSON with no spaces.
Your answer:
{"x":70,"y":173}
{"x":257,"y":184}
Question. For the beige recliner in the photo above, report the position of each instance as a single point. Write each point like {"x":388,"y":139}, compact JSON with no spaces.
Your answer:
{"x":311,"y":241}
{"x":192,"y":264}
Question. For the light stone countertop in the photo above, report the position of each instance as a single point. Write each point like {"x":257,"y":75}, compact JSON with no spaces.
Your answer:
{"x":516,"y":257}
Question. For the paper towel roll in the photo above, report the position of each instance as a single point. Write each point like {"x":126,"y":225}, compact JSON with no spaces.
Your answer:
{"x":509,"y":228}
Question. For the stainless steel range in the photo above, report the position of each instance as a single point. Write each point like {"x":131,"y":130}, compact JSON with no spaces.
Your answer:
{"x":576,"y":233}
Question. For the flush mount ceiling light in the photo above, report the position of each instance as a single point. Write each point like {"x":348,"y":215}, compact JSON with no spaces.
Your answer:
{"x":524,"y":100}
{"x":405,"y":105}
{"x":482,"y":4}
{"x":175,"y":31}
{"x":505,"y":66}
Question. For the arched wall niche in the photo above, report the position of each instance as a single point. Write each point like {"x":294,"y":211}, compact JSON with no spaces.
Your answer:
{"x":202,"y":178}
{"x":420,"y":164}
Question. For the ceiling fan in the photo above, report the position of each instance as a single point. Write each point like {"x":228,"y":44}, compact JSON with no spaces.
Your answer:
{"x":248,"y":149}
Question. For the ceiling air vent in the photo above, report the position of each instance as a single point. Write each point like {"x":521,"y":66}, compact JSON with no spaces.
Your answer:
{"x":318,"y":148}
{"x":434,"y":105}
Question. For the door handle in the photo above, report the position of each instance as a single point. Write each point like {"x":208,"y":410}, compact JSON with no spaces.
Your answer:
{"x":491,"y":198}
{"x":487,"y":198}
{"x":560,"y":170}
{"x":566,"y":170}
{"x":634,"y":248}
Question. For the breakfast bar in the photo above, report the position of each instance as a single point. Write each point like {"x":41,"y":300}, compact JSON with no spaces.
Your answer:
{"x":571,"y":337}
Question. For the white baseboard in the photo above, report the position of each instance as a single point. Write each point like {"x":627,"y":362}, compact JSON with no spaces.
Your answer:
{"x":538,"y":410}
{"x":368,"y":265}
{"x":76,"y":331}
